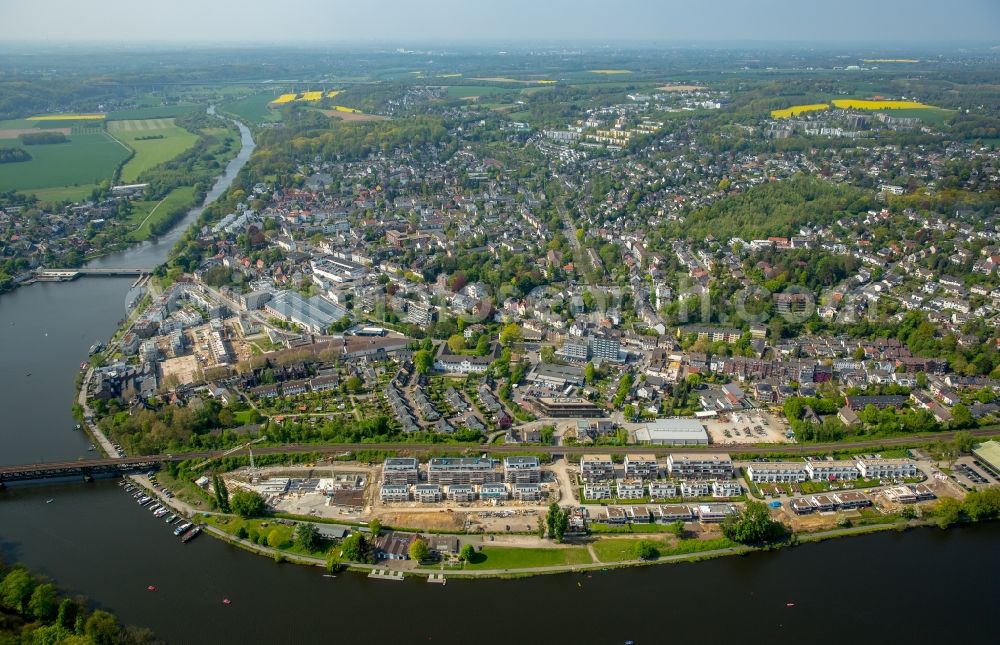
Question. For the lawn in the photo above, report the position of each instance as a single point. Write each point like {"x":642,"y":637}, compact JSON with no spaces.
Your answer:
{"x":150,"y":152}
{"x":620,"y":549}
{"x":253,"y":109}
{"x":616,"y":549}
{"x":88,"y":158}
{"x":514,"y":558}
{"x":146,"y":213}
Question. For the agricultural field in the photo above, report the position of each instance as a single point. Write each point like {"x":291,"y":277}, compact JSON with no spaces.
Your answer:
{"x":254,"y":109}
{"x":74,"y":167}
{"x":609,"y":72}
{"x":505,"y":79}
{"x":475,"y":91}
{"x":312,"y":95}
{"x":796,"y":110}
{"x":68,"y":117}
{"x":153,"y":112}
{"x":864,"y":104}
{"x":171,"y":141}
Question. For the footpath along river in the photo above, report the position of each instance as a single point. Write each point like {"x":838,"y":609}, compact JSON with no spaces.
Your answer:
{"x":94,"y":540}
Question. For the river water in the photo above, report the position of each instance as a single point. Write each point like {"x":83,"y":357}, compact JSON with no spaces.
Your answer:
{"x":94,"y":540}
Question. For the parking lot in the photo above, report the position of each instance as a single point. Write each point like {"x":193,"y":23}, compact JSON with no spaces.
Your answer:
{"x":970,"y":473}
{"x":747,"y":427}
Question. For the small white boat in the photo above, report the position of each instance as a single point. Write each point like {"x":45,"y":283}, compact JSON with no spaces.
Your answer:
{"x":49,"y":501}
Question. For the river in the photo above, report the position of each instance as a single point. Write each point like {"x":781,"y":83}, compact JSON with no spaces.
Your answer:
{"x":47,"y":328}
{"x":94,"y":540}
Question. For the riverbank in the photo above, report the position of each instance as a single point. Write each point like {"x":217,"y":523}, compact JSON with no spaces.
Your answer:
{"x":406,"y":568}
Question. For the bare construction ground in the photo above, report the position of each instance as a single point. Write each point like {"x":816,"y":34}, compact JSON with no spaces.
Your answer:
{"x":184,"y":367}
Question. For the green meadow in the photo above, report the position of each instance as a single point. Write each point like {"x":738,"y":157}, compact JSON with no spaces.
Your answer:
{"x":88,"y":158}
{"x":150,"y":152}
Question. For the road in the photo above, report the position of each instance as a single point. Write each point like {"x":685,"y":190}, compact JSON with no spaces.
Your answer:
{"x":334,"y":448}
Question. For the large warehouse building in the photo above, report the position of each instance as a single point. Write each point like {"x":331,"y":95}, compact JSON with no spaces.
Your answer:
{"x":673,"y":432}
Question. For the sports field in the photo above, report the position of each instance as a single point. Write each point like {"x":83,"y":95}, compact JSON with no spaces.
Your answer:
{"x":89,"y":157}
{"x":150,"y":152}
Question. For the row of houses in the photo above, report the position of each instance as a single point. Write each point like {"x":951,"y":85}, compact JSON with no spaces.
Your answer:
{"x":637,"y":489}
{"x":298,"y":386}
{"x":595,"y":468}
{"x":432,"y":493}
{"x":831,"y":470}
{"x":664,"y":514}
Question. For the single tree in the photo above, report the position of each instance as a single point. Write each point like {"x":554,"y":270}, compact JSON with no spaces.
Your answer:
{"x":375,"y":526}
{"x":646,"y":550}
{"x":102,"y":628}
{"x":247,"y":503}
{"x":354,"y":384}
{"x":467,"y":553}
{"x":419,"y":550}
{"x":221,"y":494}
{"x":43,"y":603}
{"x":456,"y":343}
{"x":16,"y":588}
{"x":307,"y":536}
{"x":354,"y":548}
{"x":753,"y":525}
{"x":423,"y":360}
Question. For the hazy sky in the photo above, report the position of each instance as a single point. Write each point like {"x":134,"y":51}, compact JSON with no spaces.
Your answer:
{"x":911,"y":22}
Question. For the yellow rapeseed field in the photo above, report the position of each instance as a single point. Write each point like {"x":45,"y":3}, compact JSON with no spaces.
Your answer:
{"x":311,"y":95}
{"x":341,"y":108}
{"x":610,"y":71}
{"x":862,"y":104}
{"x":796,"y":110}
{"x":67,"y":117}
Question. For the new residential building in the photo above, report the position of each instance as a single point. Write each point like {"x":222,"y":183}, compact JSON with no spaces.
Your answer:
{"x":497,"y":491}
{"x":394,"y":493}
{"x":462,"y":470}
{"x":427,"y":493}
{"x":832,"y":470}
{"x":595,"y":468}
{"x":462,"y":493}
{"x":663,"y":489}
{"x":522,"y":470}
{"x":400,"y":470}
{"x":778,"y":472}
{"x":873,"y":468}
{"x":641,"y":467}
{"x":527,"y":492}
{"x":630,"y":489}
{"x":700,"y":466}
